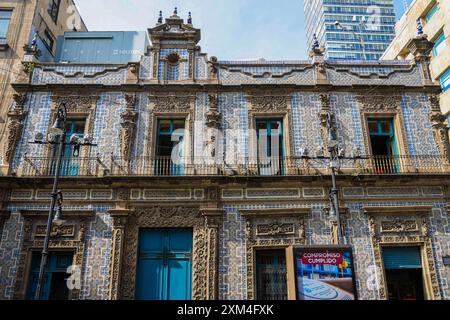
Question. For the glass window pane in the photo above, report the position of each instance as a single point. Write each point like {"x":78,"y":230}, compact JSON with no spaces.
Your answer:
{"x":261,"y":125}
{"x":386,"y":126}
{"x":178,"y":124}
{"x":445,"y":80}
{"x":431,"y":13}
{"x":5,"y":14}
{"x":164,"y":126}
{"x":439,"y":45}
{"x":373,"y":127}
{"x":3,"y":28}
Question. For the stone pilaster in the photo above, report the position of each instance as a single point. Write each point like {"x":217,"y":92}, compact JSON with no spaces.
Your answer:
{"x":440,"y":129}
{"x":120,"y":218}
{"x":14,"y":128}
{"x":213,"y":220}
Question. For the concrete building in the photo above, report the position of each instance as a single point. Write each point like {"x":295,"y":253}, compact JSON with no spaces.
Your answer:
{"x":434,"y":16}
{"x":350,"y":29}
{"x":219,"y":174}
{"x":21,"y":23}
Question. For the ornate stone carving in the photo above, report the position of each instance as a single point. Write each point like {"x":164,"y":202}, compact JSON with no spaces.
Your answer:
{"x":440,"y":129}
{"x":15,"y":125}
{"x":172,"y":103}
{"x":389,"y":230}
{"x":163,"y":217}
{"x":399,"y":225}
{"x":213,"y":115}
{"x":128,"y":124}
{"x":323,"y":117}
{"x":387,"y":103}
{"x":275,"y":229}
{"x":270,"y":231}
{"x":269,"y":103}
{"x":57,"y":231}
{"x":32,"y":242}
{"x":75,"y":103}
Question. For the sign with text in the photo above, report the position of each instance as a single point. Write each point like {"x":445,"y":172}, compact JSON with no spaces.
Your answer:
{"x":324,"y":273}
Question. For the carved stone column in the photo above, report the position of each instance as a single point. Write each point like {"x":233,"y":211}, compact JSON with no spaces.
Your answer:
{"x":323,"y":115}
{"x":440,"y":130}
{"x":15,"y":126}
{"x":128,"y":130}
{"x":120,"y":217}
{"x":212,"y":124}
{"x":213,"y":220}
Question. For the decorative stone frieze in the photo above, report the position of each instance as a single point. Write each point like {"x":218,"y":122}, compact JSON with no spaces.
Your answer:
{"x":270,"y":103}
{"x":374,"y":103}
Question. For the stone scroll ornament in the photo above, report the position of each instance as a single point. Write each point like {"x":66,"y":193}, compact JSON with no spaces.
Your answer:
{"x":15,"y":125}
{"x":212,"y":124}
{"x":440,"y":130}
{"x":128,"y":127}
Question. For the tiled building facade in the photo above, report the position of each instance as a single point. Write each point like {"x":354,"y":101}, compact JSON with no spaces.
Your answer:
{"x":23,"y":23}
{"x":232,"y":204}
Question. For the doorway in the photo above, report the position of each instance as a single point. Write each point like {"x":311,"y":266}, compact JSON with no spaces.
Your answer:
{"x":404,"y":274}
{"x":271,"y":275}
{"x":55,"y":278}
{"x":164,"y":270}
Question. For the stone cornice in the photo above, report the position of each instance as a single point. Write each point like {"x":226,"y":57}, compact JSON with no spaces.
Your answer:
{"x":202,"y":86}
{"x":67,"y":214}
{"x":397,"y":211}
{"x":261,"y":213}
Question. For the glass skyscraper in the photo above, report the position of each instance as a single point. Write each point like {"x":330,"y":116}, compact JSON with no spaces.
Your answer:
{"x":351,"y":29}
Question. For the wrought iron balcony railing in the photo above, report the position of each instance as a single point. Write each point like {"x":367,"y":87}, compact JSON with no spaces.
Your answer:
{"x":70,"y":167}
{"x":164,"y":166}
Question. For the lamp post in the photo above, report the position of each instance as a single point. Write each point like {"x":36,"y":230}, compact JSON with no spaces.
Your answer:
{"x":335,"y":156}
{"x":333,"y":149}
{"x":59,"y":130}
{"x":57,"y":137}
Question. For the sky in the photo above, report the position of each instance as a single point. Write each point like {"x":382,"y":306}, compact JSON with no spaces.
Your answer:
{"x":231,"y":29}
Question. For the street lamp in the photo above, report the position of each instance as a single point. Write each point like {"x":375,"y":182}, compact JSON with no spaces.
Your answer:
{"x":334,"y":151}
{"x":360,"y":24}
{"x":57,"y":137}
{"x":336,"y":154}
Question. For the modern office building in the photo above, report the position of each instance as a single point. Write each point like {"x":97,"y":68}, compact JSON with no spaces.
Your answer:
{"x":350,"y":29}
{"x":434,"y":16}
{"x":210,"y":179}
{"x":23,"y":23}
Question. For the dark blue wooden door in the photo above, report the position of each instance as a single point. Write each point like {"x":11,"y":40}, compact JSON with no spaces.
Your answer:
{"x":164,"y":270}
{"x":55,"y":284}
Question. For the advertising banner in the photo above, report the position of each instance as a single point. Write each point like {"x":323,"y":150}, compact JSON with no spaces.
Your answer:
{"x":324,"y":273}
